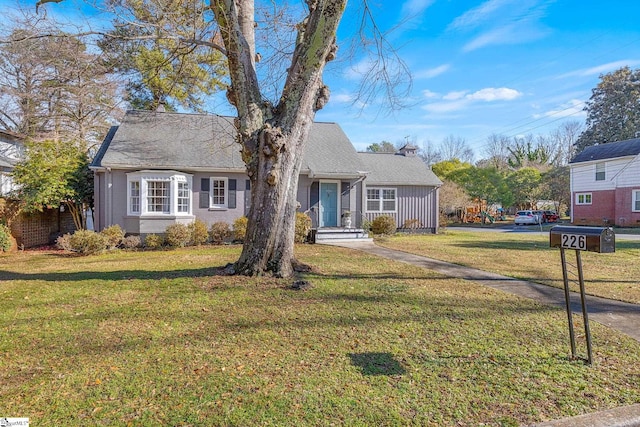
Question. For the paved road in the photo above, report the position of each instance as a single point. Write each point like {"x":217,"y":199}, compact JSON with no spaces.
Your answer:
{"x":531,"y":229}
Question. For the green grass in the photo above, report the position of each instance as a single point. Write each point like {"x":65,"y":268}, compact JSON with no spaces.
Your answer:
{"x":528,"y":256}
{"x":163,"y":338}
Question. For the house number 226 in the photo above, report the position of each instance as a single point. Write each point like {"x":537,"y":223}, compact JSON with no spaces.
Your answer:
{"x":574,"y":241}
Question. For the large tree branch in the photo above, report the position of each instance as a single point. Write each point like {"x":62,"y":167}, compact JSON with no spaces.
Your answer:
{"x":316,"y":45}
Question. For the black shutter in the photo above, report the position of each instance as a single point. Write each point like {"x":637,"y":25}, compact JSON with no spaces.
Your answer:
{"x":204,"y":193}
{"x":232,"y":194}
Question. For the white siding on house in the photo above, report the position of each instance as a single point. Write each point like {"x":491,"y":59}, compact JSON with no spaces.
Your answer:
{"x":630,"y":175}
{"x":583,"y":175}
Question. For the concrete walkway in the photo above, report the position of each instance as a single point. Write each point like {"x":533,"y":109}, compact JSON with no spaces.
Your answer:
{"x":621,"y":316}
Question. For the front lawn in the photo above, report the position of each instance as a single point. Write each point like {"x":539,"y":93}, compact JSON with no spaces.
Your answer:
{"x":162,"y":338}
{"x":528,"y":256}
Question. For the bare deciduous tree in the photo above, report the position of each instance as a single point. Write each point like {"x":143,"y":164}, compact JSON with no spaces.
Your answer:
{"x":455,"y":147}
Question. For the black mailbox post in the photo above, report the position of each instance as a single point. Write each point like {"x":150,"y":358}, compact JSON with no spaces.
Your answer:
{"x":592,"y":239}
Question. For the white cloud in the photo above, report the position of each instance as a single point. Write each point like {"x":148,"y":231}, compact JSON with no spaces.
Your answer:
{"x":430,"y":94}
{"x":415,"y":7}
{"x":477,"y":15}
{"x":341,"y":98}
{"x":432,"y":72}
{"x":500,"y":22}
{"x":446,"y":107}
{"x":455,"y":95}
{"x":572,"y":108}
{"x":459,"y":100}
{"x":491,"y":94}
{"x":601,"y":69}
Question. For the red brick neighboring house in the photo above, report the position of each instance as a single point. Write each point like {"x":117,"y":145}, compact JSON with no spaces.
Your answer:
{"x":33,"y":229}
{"x":605,"y":185}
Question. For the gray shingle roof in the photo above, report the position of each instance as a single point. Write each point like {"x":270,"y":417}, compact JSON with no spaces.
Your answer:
{"x":161,"y":140}
{"x":396,"y":169}
{"x":6,"y":162}
{"x":612,"y":150}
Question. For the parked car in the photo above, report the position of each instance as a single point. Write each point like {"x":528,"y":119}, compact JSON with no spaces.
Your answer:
{"x":527,"y":217}
{"x":550,"y":216}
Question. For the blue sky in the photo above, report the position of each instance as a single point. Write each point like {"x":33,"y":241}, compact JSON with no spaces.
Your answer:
{"x":510,"y":67}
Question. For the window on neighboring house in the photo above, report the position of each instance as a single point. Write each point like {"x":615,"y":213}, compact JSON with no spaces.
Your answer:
{"x":159,"y":193}
{"x":583,"y":199}
{"x":381,"y":199}
{"x":600,"y":173}
{"x":636,"y":201}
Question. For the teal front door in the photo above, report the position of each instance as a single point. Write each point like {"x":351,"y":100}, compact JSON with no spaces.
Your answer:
{"x":328,"y":204}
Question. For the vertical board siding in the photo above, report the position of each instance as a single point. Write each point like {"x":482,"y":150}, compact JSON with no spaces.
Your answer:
{"x":413,"y":202}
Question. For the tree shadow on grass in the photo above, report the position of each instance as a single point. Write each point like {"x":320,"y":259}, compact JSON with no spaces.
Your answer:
{"x":116,"y":275}
{"x":377,"y":364}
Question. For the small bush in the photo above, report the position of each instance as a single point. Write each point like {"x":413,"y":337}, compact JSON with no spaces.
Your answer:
{"x":113,"y":235}
{"x":240,"y":228}
{"x":153,"y":241}
{"x":412,"y":224}
{"x":303,"y":227}
{"x":219,"y":232}
{"x":384,"y":224}
{"x":5,"y":238}
{"x":83,"y":242}
{"x":199,"y":232}
{"x":177,"y":235}
{"x":131,"y":242}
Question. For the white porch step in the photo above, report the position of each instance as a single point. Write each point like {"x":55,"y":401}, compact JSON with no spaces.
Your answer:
{"x":341,"y":234}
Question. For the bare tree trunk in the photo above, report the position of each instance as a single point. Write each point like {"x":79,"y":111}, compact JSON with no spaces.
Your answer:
{"x":273,"y":137}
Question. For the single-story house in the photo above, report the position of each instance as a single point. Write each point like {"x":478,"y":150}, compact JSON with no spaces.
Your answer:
{"x":159,"y":168}
{"x":605,"y":184}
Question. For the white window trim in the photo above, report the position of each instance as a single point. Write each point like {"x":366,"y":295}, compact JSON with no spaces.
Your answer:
{"x":603,"y":166}
{"x":381,"y":200}
{"x":584,"y":203}
{"x":173,"y":177}
{"x":635,"y":196}
{"x":219,"y":206}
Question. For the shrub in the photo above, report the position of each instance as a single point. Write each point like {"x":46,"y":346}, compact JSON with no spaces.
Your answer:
{"x":153,"y":241}
{"x":383,"y":224}
{"x":199,"y":233}
{"x":219,"y":232}
{"x":131,"y":242}
{"x":177,"y":235}
{"x":303,"y":227}
{"x":83,"y":242}
{"x":366,"y":224}
{"x":5,"y":238}
{"x":113,"y":235}
{"x":412,"y":224}
{"x":240,"y":228}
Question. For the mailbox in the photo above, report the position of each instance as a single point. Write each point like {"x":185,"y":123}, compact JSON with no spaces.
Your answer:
{"x":592,"y":239}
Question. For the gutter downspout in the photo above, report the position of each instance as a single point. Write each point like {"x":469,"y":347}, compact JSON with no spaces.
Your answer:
{"x":109,"y":198}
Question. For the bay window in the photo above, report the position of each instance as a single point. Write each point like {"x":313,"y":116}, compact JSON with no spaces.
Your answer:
{"x":158,"y":193}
